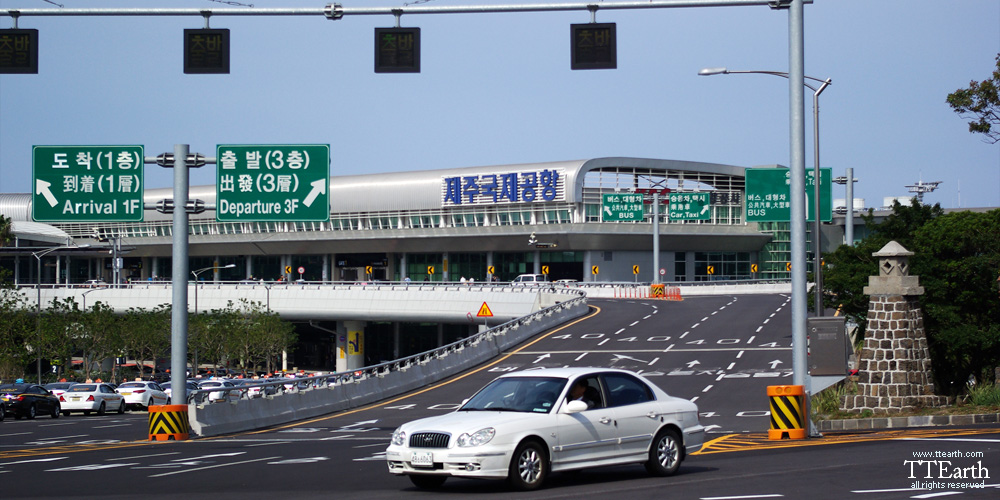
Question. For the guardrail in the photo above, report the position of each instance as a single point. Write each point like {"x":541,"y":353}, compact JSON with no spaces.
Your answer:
{"x":322,"y":394}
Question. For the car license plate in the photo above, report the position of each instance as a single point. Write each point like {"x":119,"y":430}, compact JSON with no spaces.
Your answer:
{"x":422,"y":459}
{"x":76,"y":398}
{"x":126,"y":394}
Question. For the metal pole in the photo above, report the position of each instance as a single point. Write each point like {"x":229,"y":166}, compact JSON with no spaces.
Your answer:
{"x":817,"y":236}
{"x":849,"y":230}
{"x":656,"y":236}
{"x":179,"y":274}
{"x":38,"y":322}
{"x":796,"y":83}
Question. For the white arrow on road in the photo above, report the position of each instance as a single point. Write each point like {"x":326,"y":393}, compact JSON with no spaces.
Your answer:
{"x":543,"y":356}
{"x":319,"y":187}
{"x":622,"y":356}
{"x":692,"y":363}
{"x":775,"y":363}
{"x":42,"y":188}
{"x":356,"y":424}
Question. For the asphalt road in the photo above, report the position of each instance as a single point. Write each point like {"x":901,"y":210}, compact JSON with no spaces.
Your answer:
{"x":720,"y":351}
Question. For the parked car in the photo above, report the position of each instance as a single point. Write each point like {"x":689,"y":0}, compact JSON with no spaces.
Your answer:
{"x":28,"y":400}
{"x":142,"y":394}
{"x":57,"y":388}
{"x":524,"y":425}
{"x":217,"y":396}
{"x":191,"y":396}
{"x":90,"y":397}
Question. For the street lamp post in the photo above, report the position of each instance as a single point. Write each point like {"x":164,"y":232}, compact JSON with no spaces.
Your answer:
{"x":817,"y":237}
{"x":199,"y":271}
{"x":38,"y":310}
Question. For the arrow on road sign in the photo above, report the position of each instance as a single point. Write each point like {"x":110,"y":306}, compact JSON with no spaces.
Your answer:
{"x":704,"y":209}
{"x":607,"y":209}
{"x":775,"y":363}
{"x":543,"y":356}
{"x":692,"y":363}
{"x":318,"y":188}
{"x":42,"y":188}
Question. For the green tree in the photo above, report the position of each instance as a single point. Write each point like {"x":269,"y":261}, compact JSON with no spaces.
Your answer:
{"x":17,"y":327}
{"x":957,"y":257}
{"x":847,"y":269}
{"x":148,"y":333}
{"x":100,"y":335}
{"x":981,"y":102}
{"x":6,"y":230}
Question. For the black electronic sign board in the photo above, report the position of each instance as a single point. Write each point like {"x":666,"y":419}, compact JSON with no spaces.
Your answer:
{"x":594,"y":46}
{"x":397,"y":50}
{"x":18,"y":51}
{"x":206,"y":51}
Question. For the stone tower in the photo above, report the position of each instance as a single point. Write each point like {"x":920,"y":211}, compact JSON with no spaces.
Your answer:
{"x":894,"y":371}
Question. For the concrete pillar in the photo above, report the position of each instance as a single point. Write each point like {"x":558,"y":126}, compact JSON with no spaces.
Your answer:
{"x":587,"y":276}
{"x":445,"y":276}
{"x":397,"y":328}
{"x":350,"y":345}
{"x":326,"y":267}
{"x":248,"y":263}
{"x":489,"y":264}
{"x":403,"y":270}
{"x":537,"y":264}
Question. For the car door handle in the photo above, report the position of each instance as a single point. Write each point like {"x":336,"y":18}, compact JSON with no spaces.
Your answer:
{"x":652,"y":415}
{"x":605,"y":420}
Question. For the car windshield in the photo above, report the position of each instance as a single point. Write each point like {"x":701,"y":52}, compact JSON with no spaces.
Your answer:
{"x":523,"y":394}
{"x":82,"y":388}
{"x":127,"y":385}
{"x":11,"y":388}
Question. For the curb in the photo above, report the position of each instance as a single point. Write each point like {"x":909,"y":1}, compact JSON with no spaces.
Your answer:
{"x":903,"y":422}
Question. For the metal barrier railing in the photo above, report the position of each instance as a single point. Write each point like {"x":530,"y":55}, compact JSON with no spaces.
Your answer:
{"x":349,"y":376}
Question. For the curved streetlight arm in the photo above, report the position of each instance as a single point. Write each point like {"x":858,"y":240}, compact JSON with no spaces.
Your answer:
{"x":199,"y":271}
{"x":726,"y":71}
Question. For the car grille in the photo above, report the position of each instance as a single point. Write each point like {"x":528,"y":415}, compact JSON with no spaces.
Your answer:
{"x":429,"y":440}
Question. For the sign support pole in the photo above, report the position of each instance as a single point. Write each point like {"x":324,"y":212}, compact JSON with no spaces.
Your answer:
{"x":179,"y":278}
{"x":796,"y":75}
{"x":656,"y":236}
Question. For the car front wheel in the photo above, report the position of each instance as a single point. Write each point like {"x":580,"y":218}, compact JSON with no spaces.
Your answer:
{"x":32,"y":412}
{"x":529,"y":466}
{"x":664,"y":454}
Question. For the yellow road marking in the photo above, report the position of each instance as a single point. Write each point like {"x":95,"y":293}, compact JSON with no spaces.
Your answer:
{"x":759,"y":441}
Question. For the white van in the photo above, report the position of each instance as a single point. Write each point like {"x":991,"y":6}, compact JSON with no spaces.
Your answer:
{"x":529,"y":279}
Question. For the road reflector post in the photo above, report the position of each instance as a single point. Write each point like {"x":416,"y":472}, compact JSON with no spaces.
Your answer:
{"x":787,"y":412}
{"x":656,"y":291}
{"x":169,"y":423}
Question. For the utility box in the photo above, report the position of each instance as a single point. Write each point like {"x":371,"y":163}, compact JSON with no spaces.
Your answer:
{"x":829,"y":347}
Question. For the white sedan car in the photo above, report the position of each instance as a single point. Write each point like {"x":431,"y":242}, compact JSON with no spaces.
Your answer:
{"x":218,"y":395}
{"x":142,"y":394}
{"x":90,"y":397}
{"x":524,"y":425}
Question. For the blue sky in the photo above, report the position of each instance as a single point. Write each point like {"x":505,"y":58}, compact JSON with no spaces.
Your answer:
{"x":497,"y":89}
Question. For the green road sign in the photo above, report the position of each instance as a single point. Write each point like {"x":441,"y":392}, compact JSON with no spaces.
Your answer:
{"x":768,"y":195}
{"x":617,"y":207}
{"x":282,"y":183}
{"x":87,"y":183}
{"x":689,"y":206}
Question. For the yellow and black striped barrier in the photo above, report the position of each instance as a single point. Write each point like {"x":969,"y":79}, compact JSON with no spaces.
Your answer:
{"x":787,"y":411}
{"x":169,"y":422}
{"x":656,"y":291}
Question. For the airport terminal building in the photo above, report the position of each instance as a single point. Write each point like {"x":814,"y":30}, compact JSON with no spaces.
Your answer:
{"x":490,"y":222}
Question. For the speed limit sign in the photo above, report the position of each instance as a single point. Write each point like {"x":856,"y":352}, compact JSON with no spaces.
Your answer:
{"x":663,"y":272}
{"x":302,"y":270}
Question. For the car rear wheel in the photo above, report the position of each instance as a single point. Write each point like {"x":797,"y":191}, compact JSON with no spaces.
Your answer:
{"x":529,"y":467}
{"x":101,"y":409}
{"x":664,"y":453}
{"x":427,"y":482}
{"x":121,"y":407}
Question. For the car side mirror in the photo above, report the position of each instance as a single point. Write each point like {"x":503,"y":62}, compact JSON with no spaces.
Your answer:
{"x":574,"y":406}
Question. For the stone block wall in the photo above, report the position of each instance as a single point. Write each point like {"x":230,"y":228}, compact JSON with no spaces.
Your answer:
{"x":894,"y":370}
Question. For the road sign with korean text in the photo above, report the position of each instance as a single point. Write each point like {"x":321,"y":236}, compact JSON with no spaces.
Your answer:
{"x":689,"y":206}
{"x":282,"y":183}
{"x":618,"y":207}
{"x":768,"y":195}
{"x":87,"y":183}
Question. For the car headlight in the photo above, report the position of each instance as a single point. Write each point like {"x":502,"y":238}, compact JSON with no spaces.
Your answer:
{"x":478,"y":438}
{"x":398,"y":437}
